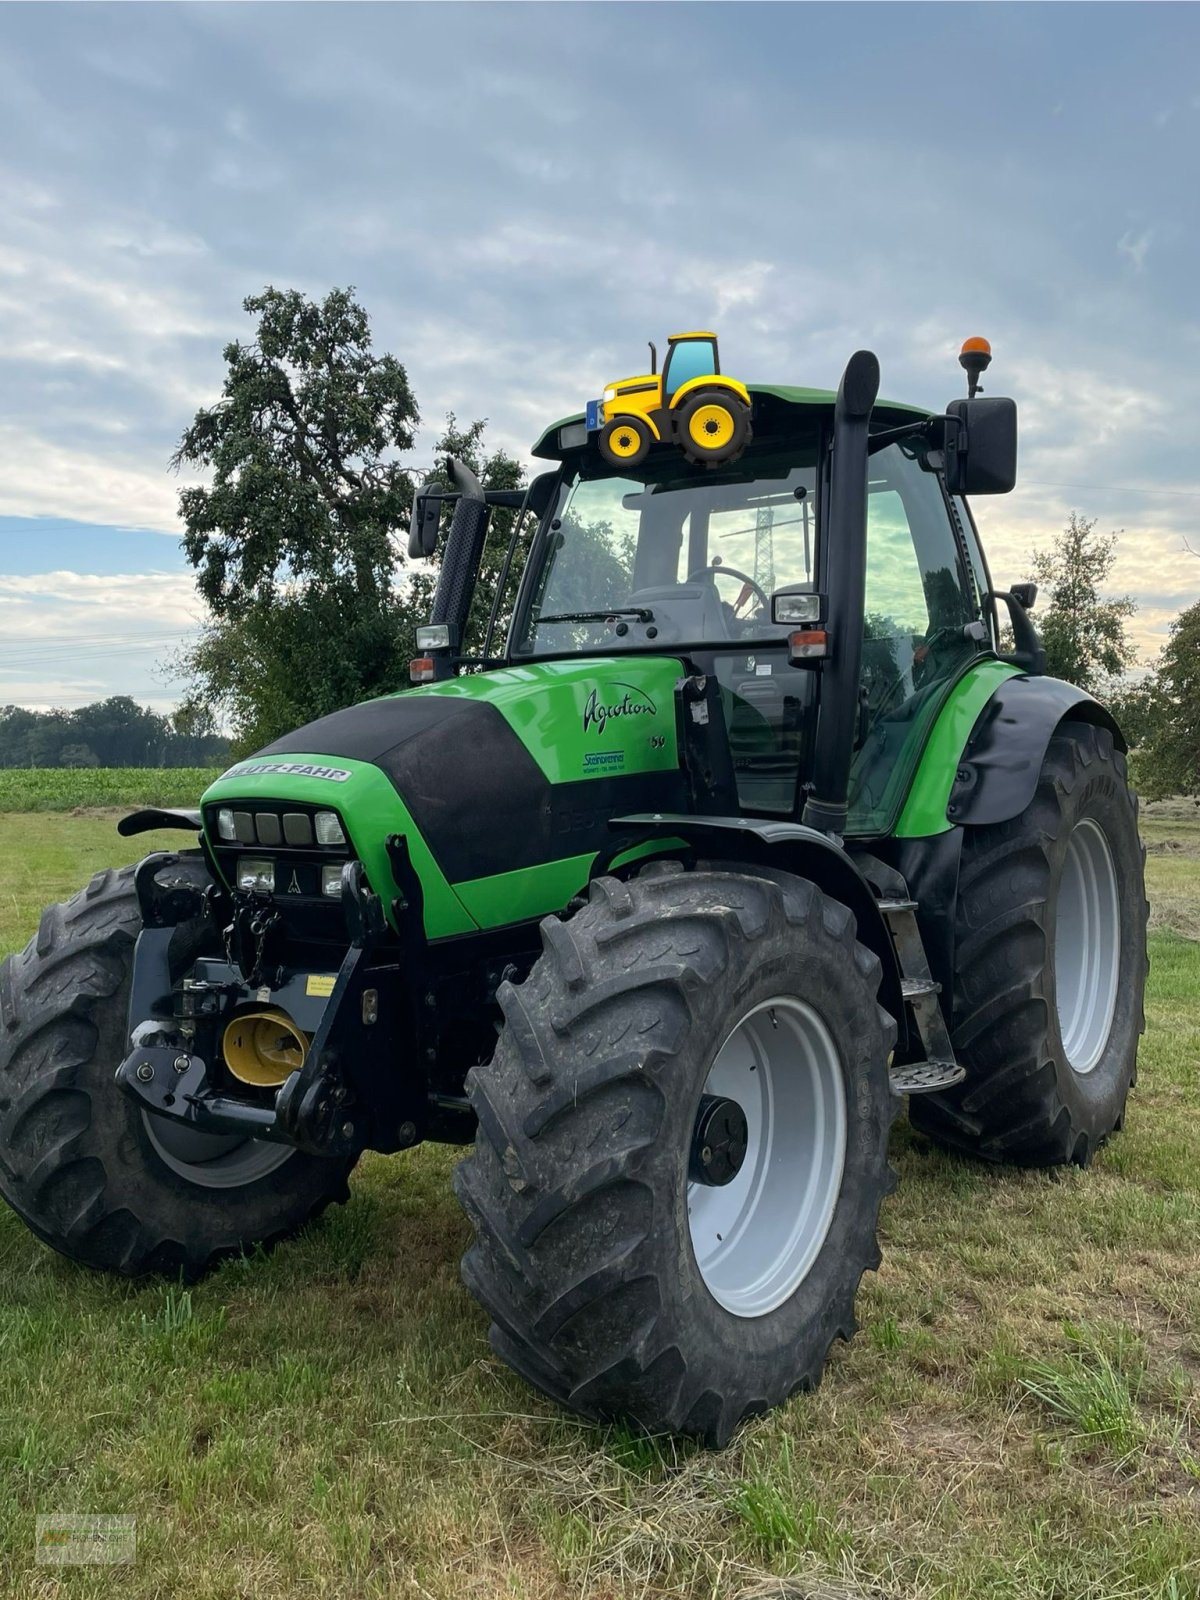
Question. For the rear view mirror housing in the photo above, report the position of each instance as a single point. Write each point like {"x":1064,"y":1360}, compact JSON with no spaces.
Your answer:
{"x":981,"y":445}
{"x":425,"y":521}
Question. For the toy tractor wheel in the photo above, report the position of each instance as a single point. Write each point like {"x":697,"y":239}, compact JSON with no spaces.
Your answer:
{"x":92,"y":1174}
{"x":625,"y":441}
{"x":1051,"y":966}
{"x":682,"y":1148}
{"x":713,"y":426}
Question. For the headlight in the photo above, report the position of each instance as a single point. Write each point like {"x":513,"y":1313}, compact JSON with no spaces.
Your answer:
{"x":256,"y":876}
{"x":610,"y":393}
{"x":329,"y":828}
{"x":225,"y":825}
{"x":331,"y":880}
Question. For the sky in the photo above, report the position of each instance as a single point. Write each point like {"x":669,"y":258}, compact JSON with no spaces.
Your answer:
{"x":523,"y":195}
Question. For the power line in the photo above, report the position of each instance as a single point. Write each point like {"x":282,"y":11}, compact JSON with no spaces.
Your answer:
{"x":1112,"y":488}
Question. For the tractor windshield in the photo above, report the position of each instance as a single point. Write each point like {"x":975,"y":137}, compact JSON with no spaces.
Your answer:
{"x":674,"y":556}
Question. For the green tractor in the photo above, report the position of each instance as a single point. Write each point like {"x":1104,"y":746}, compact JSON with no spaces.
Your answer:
{"x":741,"y":830}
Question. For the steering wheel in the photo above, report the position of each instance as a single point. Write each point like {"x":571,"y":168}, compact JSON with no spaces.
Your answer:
{"x":713,"y":573}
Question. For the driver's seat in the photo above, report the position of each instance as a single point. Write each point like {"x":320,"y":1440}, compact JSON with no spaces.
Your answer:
{"x":690,"y":610}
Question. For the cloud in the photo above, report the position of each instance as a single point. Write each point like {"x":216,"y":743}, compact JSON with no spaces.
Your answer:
{"x":1135,"y":247}
{"x":595,"y":177}
{"x":67,"y":638}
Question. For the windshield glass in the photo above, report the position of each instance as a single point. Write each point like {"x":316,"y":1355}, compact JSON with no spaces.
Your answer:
{"x":673,"y":555}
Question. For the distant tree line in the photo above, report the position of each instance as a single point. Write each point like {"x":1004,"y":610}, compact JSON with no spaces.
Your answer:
{"x":116,"y":732}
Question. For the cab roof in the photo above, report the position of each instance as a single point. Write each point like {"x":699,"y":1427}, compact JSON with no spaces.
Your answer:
{"x":890,"y":413}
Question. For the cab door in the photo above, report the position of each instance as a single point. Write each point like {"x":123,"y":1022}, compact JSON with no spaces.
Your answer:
{"x":924,"y":624}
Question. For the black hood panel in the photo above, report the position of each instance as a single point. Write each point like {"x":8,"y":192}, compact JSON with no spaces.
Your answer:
{"x":480,"y":800}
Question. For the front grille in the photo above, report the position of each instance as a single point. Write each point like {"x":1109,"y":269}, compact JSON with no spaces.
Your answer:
{"x":295,"y":828}
{"x":286,"y":835}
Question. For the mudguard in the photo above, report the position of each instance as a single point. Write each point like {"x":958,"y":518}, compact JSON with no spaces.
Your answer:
{"x":151,"y":818}
{"x":999,"y":768}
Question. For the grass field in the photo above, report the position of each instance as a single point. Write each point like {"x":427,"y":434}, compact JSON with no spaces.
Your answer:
{"x":65,"y":788}
{"x":1019,"y":1415}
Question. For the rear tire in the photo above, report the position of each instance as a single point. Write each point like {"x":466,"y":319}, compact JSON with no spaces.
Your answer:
{"x":89,"y":1172}
{"x":604,"y":1277}
{"x":1051,"y":966}
{"x":713,"y":427}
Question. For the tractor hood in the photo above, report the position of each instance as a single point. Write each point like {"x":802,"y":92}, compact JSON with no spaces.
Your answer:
{"x":503,"y":783}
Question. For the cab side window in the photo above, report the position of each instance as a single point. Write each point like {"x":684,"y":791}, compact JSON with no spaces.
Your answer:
{"x":922,"y":627}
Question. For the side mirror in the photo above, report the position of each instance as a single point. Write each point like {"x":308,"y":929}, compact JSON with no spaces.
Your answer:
{"x":426,"y":518}
{"x":981,"y":446}
{"x":1025,"y":594}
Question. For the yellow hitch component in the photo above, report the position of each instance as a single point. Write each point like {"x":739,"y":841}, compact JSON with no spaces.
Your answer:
{"x":264,"y":1047}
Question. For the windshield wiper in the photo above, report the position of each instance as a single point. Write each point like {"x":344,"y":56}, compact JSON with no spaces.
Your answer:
{"x":642,"y":613}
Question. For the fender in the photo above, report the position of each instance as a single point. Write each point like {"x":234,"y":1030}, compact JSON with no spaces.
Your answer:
{"x":790,"y":847}
{"x":710,"y":380}
{"x":153,"y":817}
{"x":999,"y":768}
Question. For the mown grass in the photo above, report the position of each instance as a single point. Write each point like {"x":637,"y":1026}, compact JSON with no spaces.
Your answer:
{"x":64,"y":788}
{"x":1019,"y":1417}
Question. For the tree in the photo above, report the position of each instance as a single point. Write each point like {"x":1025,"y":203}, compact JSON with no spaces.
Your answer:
{"x":116,"y":732}
{"x":293,"y":540}
{"x":1084,"y":633}
{"x":1169,"y":758}
{"x":299,"y":542}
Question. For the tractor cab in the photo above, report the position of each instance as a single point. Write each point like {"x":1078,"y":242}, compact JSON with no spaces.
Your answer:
{"x":727,"y":566}
{"x":689,"y":355}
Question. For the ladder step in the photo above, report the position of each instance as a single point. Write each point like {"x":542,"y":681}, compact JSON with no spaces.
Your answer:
{"x":914,"y":988}
{"x":925,"y":1077}
{"x":890,"y":906}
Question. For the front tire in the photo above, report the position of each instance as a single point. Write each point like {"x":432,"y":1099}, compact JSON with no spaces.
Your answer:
{"x":623,"y":1276}
{"x":93,"y":1175}
{"x":625,"y":441}
{"x":1051,"y":966}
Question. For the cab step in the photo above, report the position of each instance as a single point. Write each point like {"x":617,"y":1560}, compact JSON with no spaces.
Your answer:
{"x":925,"y":1077}
{"x":918,"y":987}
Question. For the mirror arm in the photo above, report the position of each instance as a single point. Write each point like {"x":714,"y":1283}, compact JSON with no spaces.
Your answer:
{"x":926,"y":426}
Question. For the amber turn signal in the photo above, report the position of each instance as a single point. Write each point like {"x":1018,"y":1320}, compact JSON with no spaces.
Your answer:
{"x":809,"y":644}
{"x":420,"y":670}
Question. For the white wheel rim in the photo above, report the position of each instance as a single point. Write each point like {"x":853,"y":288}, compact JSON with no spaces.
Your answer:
{"x":1086,"y":946}
{"x":755,"y":1239}
{"x":214,"y":1160}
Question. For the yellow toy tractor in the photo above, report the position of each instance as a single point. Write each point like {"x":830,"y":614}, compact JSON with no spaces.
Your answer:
{"x":688,"y":403}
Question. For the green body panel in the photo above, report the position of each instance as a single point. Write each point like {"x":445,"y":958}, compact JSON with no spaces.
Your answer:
{"x":594,"y":718}
{"x":519,"y":896}
{"x":370,"y":809}
{"x":546,"y":705}
{"x":925,"y":808}
{"x":537,"y":891}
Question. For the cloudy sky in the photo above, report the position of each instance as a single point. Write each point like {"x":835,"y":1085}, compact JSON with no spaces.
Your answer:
{"x":524,"y":194}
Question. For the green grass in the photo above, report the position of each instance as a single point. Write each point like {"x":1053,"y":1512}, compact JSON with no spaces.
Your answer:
{"x":1019,"y":1417}
{"x":64,"y":789}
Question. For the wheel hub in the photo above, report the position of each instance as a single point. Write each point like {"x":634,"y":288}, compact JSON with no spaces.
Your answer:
{"x":718,"y":1142}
